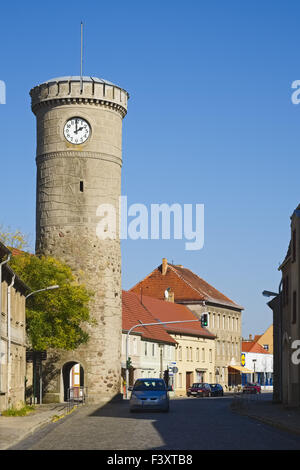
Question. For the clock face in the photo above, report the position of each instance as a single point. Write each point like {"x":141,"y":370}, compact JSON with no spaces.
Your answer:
{"x":77,"y":130}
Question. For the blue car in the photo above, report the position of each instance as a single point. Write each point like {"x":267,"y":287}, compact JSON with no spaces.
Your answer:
{"x":149,"y":394}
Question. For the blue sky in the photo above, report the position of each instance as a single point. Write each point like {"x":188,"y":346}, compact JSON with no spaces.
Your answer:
{"x":210,"y":120}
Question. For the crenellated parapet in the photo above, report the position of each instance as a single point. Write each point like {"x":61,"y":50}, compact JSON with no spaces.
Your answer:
{"x":77,"y":90}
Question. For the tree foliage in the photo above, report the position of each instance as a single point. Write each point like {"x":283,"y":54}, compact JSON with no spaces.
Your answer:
{"x":54,"y":318}
{"x":13,"y":239}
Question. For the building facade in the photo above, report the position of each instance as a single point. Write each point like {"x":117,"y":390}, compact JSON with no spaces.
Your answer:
{"x":259,"y":361}
{"x":190,"y":290}
{"x":79,"y":161}
{"x":151,"y":349}
{"x":12,"y":335}
{"x":195,"y":349}
{"x":286,"y":308}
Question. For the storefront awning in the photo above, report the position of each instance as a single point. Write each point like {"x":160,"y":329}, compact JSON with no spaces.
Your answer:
{"x":241,"y":369}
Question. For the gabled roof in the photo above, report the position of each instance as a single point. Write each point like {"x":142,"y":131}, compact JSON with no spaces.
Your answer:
{"x":163,"y":311}
{"x":253,"y":347}
{"x":134,"y":312}
{"x":186,"y":285}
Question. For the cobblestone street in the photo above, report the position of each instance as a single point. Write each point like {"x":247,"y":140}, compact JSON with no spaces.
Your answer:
{"x":205,"y":423}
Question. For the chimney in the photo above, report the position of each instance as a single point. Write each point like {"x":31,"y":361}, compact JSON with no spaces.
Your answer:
{"x":164,"y":266}
{"x":250,"y":337}
{"x":169,"y":295}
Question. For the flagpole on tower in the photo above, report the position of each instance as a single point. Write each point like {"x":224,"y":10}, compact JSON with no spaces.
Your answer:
{"x":81,"y":54}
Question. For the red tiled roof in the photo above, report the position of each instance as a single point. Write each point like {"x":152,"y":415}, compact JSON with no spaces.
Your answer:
{"x":187,"y":286}
{"x":169,"y":311}
{"x":133,"y":313}
{"x":17,"y":252}
{"x":254,"y":347}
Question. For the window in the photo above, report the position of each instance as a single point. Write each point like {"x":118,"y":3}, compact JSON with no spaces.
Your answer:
{"x":180,"y":353}
{"x":153,"y":349}
{"x":294,"y":318}
{"x":266,"y":347}
{"x":294,"y":245}
{"x":146,"y":348}
{"x":81,"y":186}
{"x":210,"y":355}
{"x":203,"y":355}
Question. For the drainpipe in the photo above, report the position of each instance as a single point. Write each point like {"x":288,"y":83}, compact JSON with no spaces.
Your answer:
{"x":1,"y":264}
{"x":9,"y":336}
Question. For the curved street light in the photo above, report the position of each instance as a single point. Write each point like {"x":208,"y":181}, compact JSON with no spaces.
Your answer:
{"x":148,"y":324}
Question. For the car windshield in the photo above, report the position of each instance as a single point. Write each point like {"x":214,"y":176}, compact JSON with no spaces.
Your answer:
{"x":197,"y":385}
{"x":153,"y":385}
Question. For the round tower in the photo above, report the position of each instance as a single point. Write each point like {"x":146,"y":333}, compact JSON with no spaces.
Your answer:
{"x":79,"y":160}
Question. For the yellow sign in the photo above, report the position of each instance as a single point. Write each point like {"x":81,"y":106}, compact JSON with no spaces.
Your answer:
{"x":243,"y":359}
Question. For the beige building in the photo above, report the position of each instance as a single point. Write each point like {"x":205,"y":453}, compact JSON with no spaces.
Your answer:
{"x":265,"y":340}
{"x":286,"y":309}
{"x":195,"y":359}
{"x":12,"y":335}
{"x":195,"y":348}
{"x":224,"y":314}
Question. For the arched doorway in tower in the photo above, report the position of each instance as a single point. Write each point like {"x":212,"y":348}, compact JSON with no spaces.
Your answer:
{"x":73,"y":376}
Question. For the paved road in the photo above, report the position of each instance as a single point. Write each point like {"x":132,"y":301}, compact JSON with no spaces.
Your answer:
{"x":192,"y":423}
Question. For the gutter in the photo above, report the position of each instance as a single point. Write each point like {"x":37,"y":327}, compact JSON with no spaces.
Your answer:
{"x":1,"y":264}
{"x":9,"y":336}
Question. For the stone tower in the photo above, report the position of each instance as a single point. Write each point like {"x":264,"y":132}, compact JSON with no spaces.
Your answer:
{"x":79,"y":160}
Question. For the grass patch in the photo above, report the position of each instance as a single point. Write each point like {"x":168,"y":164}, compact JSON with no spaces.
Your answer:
{"x":18,"y":412}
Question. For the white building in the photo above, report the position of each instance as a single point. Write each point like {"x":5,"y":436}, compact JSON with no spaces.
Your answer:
{"x":260,"y":361}
{"x":151,"y":350}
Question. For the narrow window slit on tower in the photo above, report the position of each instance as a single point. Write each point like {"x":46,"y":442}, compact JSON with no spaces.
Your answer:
{"x":81,"y":186}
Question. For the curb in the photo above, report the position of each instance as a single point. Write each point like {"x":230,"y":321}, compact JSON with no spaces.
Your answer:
{"x":265,"y":420}
{"x":41,"y":421}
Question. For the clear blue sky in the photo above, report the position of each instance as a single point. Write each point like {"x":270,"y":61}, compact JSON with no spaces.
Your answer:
{"x":210,"y":120}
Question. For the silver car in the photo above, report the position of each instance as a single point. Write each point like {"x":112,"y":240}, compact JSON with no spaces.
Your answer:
{"x":149,"y":394}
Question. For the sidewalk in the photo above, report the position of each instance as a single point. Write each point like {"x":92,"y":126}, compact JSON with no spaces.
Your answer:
{"x":274,"y":414}
{"x":15,"y":428}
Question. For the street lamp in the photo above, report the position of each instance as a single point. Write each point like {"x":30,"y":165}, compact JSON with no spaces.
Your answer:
{"x":34,"y":358}
{"x":41,"y":290}
{"x":267,"y":293}
{"x":146,"y":324}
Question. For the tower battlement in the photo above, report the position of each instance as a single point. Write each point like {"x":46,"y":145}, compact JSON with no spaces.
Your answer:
{"x":74,"y":90}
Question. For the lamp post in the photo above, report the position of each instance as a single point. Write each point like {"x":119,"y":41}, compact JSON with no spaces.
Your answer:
{"x":41,"y":290}
{"x":254,"y":361}
{"x":34,"y":352}
{"x":147,"y":324}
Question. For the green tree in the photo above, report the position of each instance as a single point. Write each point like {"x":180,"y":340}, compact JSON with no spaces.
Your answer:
{"x":54,"y":318}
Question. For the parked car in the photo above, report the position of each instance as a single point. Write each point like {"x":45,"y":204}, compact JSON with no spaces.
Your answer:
{"x":149,"y":394}
{"x":251,"y":388}
{"x":199,"y":390}
{"x":216,"y":390}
